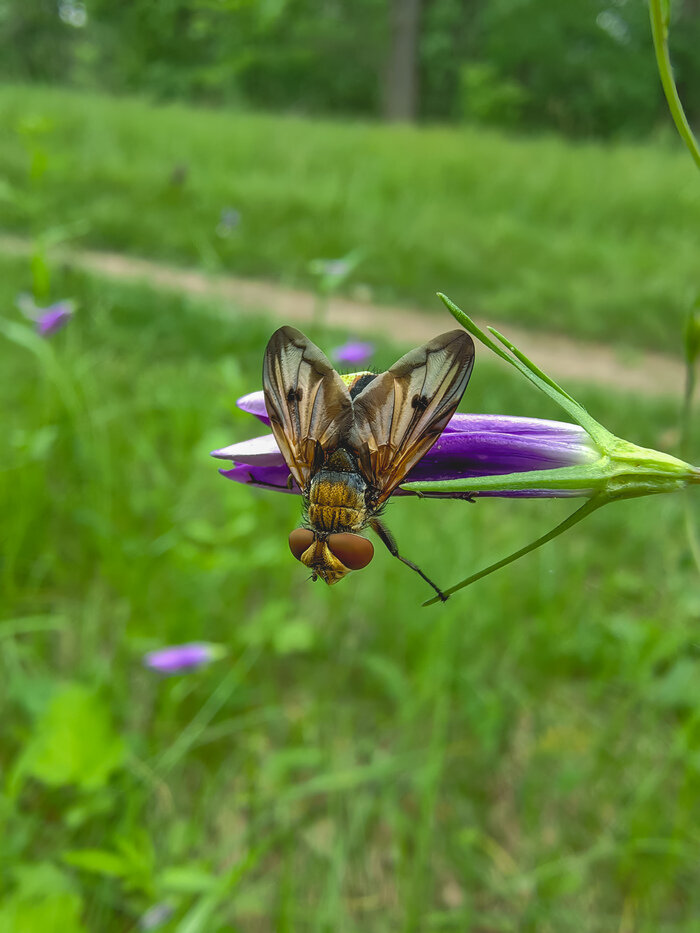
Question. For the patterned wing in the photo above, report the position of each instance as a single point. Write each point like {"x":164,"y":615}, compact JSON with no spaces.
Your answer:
{"x":402,"y":412}
{"x":308,"y":403}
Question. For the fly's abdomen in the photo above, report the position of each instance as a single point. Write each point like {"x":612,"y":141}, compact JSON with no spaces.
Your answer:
{"x":337,"y":502}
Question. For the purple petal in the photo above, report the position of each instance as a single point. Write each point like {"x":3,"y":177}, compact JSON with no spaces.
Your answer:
{"x":254,"y":404}
{"x":354,"y":353}
{"x":482,"y":453}
{"x":262,"y":451}
{"x":266,"y":477}
{"x":156,"y":916}
{"x":179,"y":658}
{"x":477,"y":445}
{"x":512,"y":424}
{"x":334,"y":267}
{"x":54,"y":317}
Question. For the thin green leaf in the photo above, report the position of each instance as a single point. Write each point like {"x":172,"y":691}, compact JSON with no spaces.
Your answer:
{"x":528,"y":369}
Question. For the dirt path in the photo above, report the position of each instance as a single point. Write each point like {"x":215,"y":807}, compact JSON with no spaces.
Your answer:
{"x":565,"y":359}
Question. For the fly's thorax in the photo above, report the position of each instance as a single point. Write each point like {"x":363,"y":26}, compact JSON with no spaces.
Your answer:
{"x":336,"y":497}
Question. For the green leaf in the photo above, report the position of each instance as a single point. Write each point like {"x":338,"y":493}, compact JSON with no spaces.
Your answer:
{"x":295,"y":637}
{"x":187,"y":880}
{"x":517,"y":359}
{"x":98,"y":861}
{"x":73,"y":742}
{"x":43,"y":901}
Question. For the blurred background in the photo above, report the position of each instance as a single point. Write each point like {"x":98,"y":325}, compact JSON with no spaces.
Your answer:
{"x":176,"y":180}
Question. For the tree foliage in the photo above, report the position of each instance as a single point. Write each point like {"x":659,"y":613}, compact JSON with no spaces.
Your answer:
{"x":583,"y":68}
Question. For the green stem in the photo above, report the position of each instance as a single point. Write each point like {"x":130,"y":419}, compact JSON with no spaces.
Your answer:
{"x":659,"y":31}
{"x":586,"y":509}
{"x":691,"y":530}
{"x":686,"y":410}
{"x":566,"y":478}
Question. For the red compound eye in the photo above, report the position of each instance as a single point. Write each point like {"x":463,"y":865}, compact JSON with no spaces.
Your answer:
{"x":299,"y":540}
{"x":352,"y":550}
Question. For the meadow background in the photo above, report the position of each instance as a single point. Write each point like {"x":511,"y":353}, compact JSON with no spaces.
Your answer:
{"x":524,"y":758}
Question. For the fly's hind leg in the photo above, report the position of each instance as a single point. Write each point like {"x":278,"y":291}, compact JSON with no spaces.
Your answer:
{"x":462,"y":496}
{"x":386,"y":536}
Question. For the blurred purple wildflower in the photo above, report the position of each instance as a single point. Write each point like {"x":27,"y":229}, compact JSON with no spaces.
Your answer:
{"x":156,"y":916}
{"x":470,"y":446}
{"x":178,"y":659}
{"x":336,"y":268}
{"x":48,"y":320}
{"x":354,"y":353}
{"x":229,"y":219}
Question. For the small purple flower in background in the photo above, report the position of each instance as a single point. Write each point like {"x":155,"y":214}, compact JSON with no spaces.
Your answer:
{"x":354,"y":353}
{"x":178,"y":659}
{"x":156,"y":916}
{"x":470,"y":446}
{"x":332,"y":273}
{"x":48,"y":320}
{"x":54,"y":318}
{"x":334,"y":268}
{"x":229,"y":220}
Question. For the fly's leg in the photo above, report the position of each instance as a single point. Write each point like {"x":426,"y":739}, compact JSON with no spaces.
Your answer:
{"x":260,"y":482}
{"x":463,"y":496}
{"x":386,"y":536}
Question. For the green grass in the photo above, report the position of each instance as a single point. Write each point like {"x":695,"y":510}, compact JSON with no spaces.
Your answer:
{"x":526,"y":757}
{"x":591,"y":240}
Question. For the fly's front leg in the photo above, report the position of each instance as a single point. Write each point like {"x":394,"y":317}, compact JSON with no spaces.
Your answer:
{"x":260,"y":482}
{"x":386,"y":536}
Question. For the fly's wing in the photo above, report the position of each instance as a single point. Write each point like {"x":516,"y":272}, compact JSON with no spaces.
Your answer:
{"x":307,"y":401}
{"x":400,"y":414}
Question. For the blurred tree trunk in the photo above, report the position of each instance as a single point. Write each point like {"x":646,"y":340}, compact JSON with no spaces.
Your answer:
{"x":401,"y":75}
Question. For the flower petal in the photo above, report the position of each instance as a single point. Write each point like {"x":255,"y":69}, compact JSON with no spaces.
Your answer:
{"x":180,"y":658}
{"x":484,"y":445}
{"x":354,"y":352}
{"x":254,"y":404}
{"x":262,"y":451}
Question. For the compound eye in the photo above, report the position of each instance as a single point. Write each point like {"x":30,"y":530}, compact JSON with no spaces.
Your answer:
{"x":352,"y":550}
{"x":300,"y":540}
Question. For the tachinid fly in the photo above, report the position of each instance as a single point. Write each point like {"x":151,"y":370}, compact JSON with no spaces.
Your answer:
{"x":350,"y":442}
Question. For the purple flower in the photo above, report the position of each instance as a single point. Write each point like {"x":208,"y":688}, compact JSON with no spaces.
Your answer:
{"x":354,"y":353}
{"x":178,"y":659}
{"x":48,"y":320}
{"x":470,"y":446}
{"x":333,"y":268}
{"x":229,"y":219}
{"x":156,"y":916}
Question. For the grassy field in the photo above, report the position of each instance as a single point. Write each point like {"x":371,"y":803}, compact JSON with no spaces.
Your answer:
{"x":590,"y":240}
{"x":525,"y":758}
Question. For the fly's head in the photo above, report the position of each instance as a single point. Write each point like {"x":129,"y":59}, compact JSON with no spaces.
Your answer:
{"x":330,"y":556}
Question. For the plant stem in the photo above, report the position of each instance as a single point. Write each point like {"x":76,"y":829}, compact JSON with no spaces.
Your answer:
{"x":659,"y":31}
{"x":595,"y":503}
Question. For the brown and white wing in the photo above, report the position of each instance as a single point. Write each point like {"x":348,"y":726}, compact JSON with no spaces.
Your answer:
{"x":402,"y":412}
{"x":307,"y":401}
